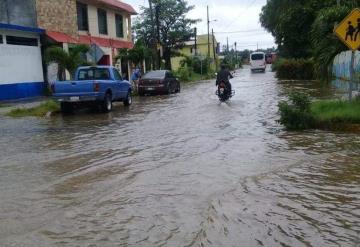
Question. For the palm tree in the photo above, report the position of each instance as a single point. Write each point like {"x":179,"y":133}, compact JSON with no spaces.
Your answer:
{"x":66,"y":61}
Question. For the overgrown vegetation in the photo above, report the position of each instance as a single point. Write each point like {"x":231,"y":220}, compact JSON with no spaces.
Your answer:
{"x":294,"y":69}
{"x":194,"y":69}
{"x":4,"y":105}
{"x":174,"y":26}
{"x":37,"y":111}
{"x":295,"y":114}
{"x":299,"y":113}
{"x":304,"y":29}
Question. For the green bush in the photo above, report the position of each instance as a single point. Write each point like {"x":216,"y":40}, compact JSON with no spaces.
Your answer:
{"x":294,"y":69}
{"x":201,"y":67}
{"x":295,"y":114}
{"x":184,"y":73}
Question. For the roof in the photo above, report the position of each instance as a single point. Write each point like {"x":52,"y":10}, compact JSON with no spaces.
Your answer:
{"x":88,"y":40}
{"x":118,"y":5}
{"x":21,"y":28}
{"x":61,"y":37}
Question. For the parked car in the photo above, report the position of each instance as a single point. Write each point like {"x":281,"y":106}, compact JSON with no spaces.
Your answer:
{"x":97,"y":86}
{"x":257,"y":61}
{"x":158,"y":82}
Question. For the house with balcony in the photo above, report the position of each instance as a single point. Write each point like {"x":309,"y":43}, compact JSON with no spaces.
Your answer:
{"x":104,"y":25}
{"x":27,"y":27}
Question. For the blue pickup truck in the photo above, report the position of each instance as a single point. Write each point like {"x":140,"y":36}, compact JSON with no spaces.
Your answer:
{"x":98,"y":86}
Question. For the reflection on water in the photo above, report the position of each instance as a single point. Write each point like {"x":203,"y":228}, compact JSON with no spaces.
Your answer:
{"x":182,"y":170}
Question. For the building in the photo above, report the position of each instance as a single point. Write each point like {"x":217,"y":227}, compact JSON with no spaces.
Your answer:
{"x":21,"y":69}
{"x":105,"y":25}
{"x":201,"y":50}
{"x":27,"y":27}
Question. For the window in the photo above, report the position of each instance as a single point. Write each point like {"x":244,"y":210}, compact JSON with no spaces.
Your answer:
{"x":117,"y":75}
{"x":14,"y":40}
{"x":257,"y":56}
{"x":102,"y":21}
{"x":156,"y":74}
{"x":93,"y":74}
{"x":119,"y":26}
{"x":82,"y":17}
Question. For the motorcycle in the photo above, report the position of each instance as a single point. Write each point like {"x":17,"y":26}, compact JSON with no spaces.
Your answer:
{"x":223,"y":92}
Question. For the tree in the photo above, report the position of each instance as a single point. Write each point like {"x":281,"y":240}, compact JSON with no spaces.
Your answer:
{"x":325,"y":44}
{"x":174,"y":28}
{"x":66,"y":61}
{"x":135,"y":55}
{"x":290,"y":21}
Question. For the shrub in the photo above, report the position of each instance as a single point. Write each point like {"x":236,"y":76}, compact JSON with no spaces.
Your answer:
{"x":294,"y":69}
{"x":295,"y":114}
{"x":184,"y":73}
{"x":201,"y":66}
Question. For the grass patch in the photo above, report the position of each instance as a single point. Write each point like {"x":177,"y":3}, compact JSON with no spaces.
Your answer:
{"x":37,"y":111}
{"x":4,"y":105}
{"x":327,"y":111}
{"x":300,"y":113}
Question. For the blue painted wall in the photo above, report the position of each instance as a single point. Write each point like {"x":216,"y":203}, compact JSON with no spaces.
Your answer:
{"x":21,"y":90}
{"x":341,"y":65}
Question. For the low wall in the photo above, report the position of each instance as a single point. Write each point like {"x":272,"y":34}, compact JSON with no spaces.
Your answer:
{"x":341,"y":66}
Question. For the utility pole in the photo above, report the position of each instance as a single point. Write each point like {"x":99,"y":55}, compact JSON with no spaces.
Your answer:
{"x":195,"y":30}
{"x":236,"y":61}
{"x":153,"y":41}
{"x":227,"y":45}
{"x":213,"y":41}
{"x":157,"y":12}
{"x":208,"y":30}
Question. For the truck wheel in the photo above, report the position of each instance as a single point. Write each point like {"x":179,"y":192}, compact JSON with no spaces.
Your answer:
{"x":107,"y":103}
{"x":128,"y":100}
{"x":66,"y":107}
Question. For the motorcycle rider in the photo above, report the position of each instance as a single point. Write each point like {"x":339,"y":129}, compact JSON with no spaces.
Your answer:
{"x":224,"y":75}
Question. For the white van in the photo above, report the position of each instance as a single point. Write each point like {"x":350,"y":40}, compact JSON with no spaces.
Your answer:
{"x":257,"y":61}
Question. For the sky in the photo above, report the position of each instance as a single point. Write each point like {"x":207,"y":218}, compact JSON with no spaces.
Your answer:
{"x":237,"y":20}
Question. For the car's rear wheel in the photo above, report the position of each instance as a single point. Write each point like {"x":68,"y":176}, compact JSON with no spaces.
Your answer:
{"x":66,"y":107}
{"x":107,"y":103}
{"x":178,"y":89}
{"x":128,"y":100}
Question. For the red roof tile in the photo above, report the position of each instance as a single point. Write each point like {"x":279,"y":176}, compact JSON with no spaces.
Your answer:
{"x":121,"y":5}
{"x":61,"y":37}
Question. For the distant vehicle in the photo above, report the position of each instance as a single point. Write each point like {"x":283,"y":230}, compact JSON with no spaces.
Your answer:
{"x":158,"y":82}
{"x":257,"y":61}
{"x":97,"y":86}
{"x":270,"y":58}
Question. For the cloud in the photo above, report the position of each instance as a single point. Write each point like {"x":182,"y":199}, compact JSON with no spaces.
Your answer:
{"x":231,"y":16}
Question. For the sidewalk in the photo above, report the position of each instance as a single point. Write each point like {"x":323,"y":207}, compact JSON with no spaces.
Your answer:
{"x":6,"y":106}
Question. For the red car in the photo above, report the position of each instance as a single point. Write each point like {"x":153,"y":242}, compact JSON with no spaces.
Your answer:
{"x":158,"y":82}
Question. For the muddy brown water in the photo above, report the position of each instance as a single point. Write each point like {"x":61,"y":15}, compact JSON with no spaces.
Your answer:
{"x":182,"y":170}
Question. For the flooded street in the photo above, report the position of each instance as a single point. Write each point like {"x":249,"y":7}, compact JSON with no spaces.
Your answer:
{"x":182,"y":170}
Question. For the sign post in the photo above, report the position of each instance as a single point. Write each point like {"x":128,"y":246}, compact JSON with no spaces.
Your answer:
{"x":348,"y":32}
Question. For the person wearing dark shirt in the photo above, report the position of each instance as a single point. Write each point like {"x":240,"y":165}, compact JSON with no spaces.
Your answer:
{"x":224,"y":75}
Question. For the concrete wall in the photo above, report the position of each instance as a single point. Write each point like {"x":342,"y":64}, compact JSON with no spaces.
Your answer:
{"x":341,"y":66}
{"x":20,"y":63}
{"x":21,"y":73}
{"x":57,"y":15}
{"x":18,"y":12}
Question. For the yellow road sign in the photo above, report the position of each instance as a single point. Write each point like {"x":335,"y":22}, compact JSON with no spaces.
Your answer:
{"x":349,"y":30}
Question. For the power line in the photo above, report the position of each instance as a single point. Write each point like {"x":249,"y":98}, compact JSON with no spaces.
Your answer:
{"x":243,"y":31}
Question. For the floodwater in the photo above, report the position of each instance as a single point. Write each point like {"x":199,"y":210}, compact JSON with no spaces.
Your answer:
{"x":182,"y":170}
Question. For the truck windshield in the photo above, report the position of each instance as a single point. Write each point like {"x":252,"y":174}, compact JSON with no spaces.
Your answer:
{"x":257,"y":56}
{"x":94,"y":74}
